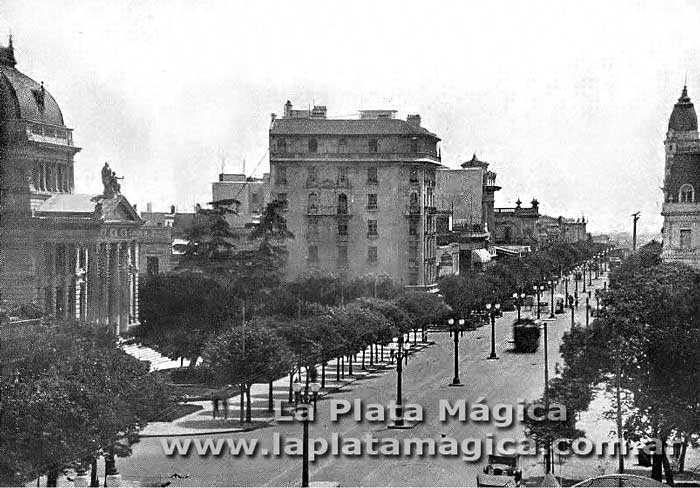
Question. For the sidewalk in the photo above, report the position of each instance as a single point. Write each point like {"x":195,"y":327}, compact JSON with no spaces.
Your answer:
{"x":201,"y":422}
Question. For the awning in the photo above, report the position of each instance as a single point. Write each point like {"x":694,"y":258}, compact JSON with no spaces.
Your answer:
{"x":481,"y":256}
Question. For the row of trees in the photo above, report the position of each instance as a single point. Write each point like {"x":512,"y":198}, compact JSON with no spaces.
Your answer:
{"x":466,"y":293}
{"x":645,"y":343}
{"x":70,"y":395}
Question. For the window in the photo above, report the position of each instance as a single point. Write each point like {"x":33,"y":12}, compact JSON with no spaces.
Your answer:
{"x":372,"y":176}
{"x":342,"y":256}
{"x":313,"y":146}
{"x":311,"y":175}
{"x":151,"y":265}
{"x":342,"y":204}
{"x":342,"y":145}
{"x":342,"y":176}
{"x":413,"y":175}
{"x":686,"y":239}
{"x":313,"y":203}
{"x":414,"y":145}
{"x":372,"y":228}
{"x":413,"y":227}
{"x":282,"y":198}
{"x":281,"y":173}
{"x":342,"y":228}
{"x":372,"y":254}
{"x":373,"y":145}
{"x":313,"y":254}
{"x":686,"y":194}
{"x":255,"y":199}
{"x":371,"y":201}
{"x":282,"y":145}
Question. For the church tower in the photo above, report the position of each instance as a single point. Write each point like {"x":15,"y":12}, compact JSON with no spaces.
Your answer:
{"x":681,"y":209}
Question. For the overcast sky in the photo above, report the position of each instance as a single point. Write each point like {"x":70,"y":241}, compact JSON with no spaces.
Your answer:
{"x":568,"y":101}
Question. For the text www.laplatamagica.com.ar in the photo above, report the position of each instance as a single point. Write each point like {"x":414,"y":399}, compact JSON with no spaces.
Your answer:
{"x":469,"y":449}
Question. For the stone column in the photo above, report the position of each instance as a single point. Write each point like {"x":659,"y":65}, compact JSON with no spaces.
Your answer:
{"x":105,"y":283}
{"x":136,"y":282}
{"x":77,"y":311}
{"x":115,"y":295}
{"x":130,"y":265}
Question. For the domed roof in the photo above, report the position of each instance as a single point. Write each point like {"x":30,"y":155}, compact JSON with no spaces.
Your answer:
{"x":23,"y":98}
{"x":683,"y":117}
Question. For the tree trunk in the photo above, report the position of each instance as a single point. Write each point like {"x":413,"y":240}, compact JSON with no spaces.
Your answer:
{"x":323,"y":375}
{"x":342,"y":374}
{"x":656,"y":467}
{"x":270,"y":406}
{"x":337,"y":369}
{"x":372,"y":349}
{"x":94,"y":481}
{"x":291,"y":380}
{"x":415,"y":337}
{"x":350,"y":365}
{"x":363,"y":359}
{"x":681,"y":458}
{"x":248,"y":414}
{"x":193,"y":362}
{"x":667,"y":467}
{"x":52,"y":478}
{"x":241,"y":418}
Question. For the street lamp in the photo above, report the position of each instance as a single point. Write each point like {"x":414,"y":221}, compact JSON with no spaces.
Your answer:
{"x":397,"y":347}
{"x":519,"y":302}
{"x":303,"y":398}
{"x":551,"y":284}
{"x":590,"y":273}
{"x":566,"y":285}
{"x":588,"y":306}
{"x":493,"y":311}
{"x":584,"y":278}
{"x":538,"y":290}
{"x":571,"y":306}
{"x":577,"y":277}
{"x":456,"y":329}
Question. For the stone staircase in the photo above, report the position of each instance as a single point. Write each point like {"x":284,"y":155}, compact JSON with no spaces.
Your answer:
{"x":157,"y":361}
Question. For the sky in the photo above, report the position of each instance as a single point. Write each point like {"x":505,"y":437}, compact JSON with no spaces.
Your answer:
{"x":567,"y":100}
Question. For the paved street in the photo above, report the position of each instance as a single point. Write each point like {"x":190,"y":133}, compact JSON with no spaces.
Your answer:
{"x":426,"y":377}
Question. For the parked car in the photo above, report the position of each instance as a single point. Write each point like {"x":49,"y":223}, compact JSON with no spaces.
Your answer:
{"x":620,"y":480}
{"x":500,"y":471}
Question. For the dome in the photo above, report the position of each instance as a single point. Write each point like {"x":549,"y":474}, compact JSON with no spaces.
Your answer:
{"x":683,"y":117}
{"x":23,"y":98}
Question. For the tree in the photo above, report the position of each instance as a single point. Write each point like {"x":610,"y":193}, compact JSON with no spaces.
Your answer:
{"x":71,"y":396}
{"x":424,"y":308}
{"x":180,"y":313}
{"x":248,"y":354}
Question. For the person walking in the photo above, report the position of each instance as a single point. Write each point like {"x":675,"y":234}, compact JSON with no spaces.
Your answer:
{"x":215,"y":407}
{"x":224,"y":407}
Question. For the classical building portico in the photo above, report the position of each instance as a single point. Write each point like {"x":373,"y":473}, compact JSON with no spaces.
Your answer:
{"x":74,"y":255}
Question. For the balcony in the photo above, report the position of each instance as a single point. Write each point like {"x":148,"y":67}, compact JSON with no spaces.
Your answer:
{"x":674,"y":208}
{"x":413,"y":210}
{"x":354,"y":156}
{"x":330,"y":210}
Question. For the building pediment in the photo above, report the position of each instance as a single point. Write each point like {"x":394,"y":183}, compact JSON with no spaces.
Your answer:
{"x":116,"y":209}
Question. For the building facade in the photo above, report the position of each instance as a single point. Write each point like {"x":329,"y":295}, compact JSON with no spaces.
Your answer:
{"x":466,"y":195}
{"x":74,"y":255}
{"x":681,"y":208}
{"x":517,"y":225}
{"x":253,"y":194}
{"x":359,"y":192}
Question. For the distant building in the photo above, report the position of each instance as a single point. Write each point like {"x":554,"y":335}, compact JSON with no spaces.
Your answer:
{"x":74,"y":255}
{"x":465,"y":199}
{"x":517,"y":225}
{"x":681,"y":207}
{"x":160,"y":234}
{"x":252,"y":193}
{"x":561,"y":229}
{"x":359,"y":192}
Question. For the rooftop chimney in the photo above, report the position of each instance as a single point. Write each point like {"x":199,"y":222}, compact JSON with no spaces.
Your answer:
{"x":413,"y":119}
{"x":288,"y":109}
{"x":149,"y":207}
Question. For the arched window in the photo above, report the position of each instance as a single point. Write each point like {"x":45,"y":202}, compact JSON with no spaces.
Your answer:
{"x":282,"y":145}
{"x":313,"y":145}
{"x":686,"y":194}
{"x":342,"y":204}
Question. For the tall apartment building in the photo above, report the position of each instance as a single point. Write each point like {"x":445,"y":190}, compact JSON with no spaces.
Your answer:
{"x":359,"y":193}
{"x":252,"y":193}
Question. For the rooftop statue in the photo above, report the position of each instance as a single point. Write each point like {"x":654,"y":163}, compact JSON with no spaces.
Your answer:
{"x":110,"y":182}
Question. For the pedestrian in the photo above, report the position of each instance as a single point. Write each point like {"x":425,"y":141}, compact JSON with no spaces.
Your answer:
{"x":224,"y":407}
{"x":215,"y":407}
{"x":677,"y":447}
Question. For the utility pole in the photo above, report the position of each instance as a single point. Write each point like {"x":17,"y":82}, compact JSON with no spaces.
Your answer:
{"x":635,"y":218}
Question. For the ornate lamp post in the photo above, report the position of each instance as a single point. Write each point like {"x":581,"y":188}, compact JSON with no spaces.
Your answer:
{"x":571,"y":306}
{"x":456,"y":329}
{"x":493,"y":311}
{"x":577,"y":277}
{"x":400,"y":354}
{"x":551,"y":284}
{"x":590,"y":273}
{"x":519,"y":302}
{"x":304,"y":397}
{"x":566,"y":285}
{"x":584,"y":278}
{"x":588,"y":307}
{"x":538,"y":290}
